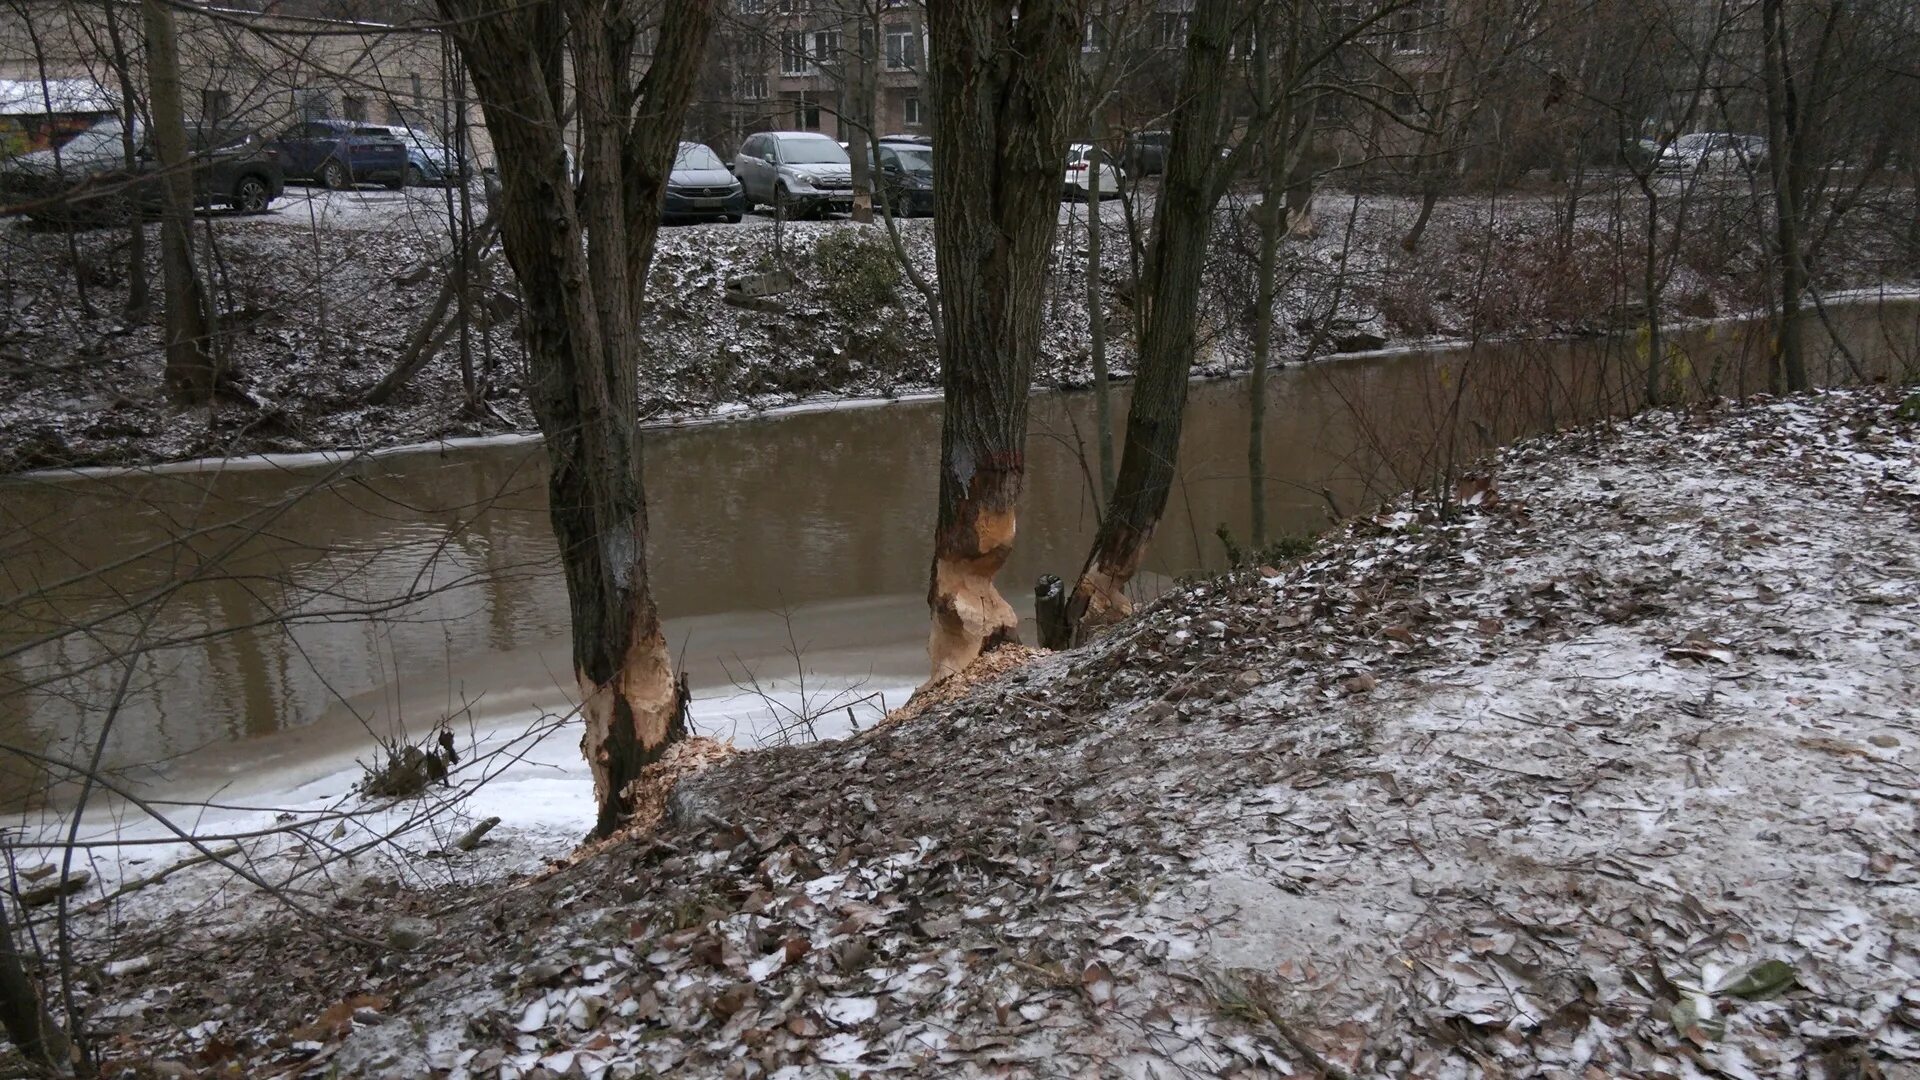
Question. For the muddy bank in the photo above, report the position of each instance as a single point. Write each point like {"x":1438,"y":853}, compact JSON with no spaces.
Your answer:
{"x":320,"y":297}
{"x":1604,"y":770}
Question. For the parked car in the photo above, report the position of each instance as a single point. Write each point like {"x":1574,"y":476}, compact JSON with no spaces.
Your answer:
{"x":1091,"y":168}
{"x":1713,"y":152}
{"x":905,"y":177}
{"x":342,"y":153}
{"x":232,"y":167}
{"x":701,"y":188}
{"x":1145,"y":152}
{"x":795,"y":172}
{"x":429,"y":161}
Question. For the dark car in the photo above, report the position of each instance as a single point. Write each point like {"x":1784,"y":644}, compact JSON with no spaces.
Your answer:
{"x":232,"y":167}
{"x":342,"y":153}
{"x":429,"y":161}
{"x":701,"y":188}
{"x":905,"y":178}
{"x":1145,"y":152}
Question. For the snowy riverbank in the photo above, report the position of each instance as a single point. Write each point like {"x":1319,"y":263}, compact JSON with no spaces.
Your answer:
{"x":1607,"y":771}
{"x":322,"y":296}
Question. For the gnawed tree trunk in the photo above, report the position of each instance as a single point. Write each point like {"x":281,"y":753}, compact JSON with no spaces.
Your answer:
{"x":1177,"y":255}
{"x":582,"y":265}
{"x":192,"y":370}
{"x":1000,"y":90}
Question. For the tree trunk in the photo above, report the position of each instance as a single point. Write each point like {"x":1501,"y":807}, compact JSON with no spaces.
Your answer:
{"x":137,"y":299}
{"x":1000,"y":85}
{"x":1097,"y":326}
{"x":582,"y":264}
{"x":1429,"y":195}
{"x":191,"y":372}
{"x":1175,"y":259}
{"x":1782,"y":139}
{"x":22,"y":1015}
{"x":1650,"y":292}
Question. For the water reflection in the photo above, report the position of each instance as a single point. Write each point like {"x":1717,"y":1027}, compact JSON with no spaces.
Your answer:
{"x":269,"y":598}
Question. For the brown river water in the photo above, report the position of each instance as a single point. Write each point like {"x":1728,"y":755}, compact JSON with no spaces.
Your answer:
{"x":245,"y":589}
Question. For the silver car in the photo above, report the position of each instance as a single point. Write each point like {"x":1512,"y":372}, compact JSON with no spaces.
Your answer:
{"x":798,"y":173}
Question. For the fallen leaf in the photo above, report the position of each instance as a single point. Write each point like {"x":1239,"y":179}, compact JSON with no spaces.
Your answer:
{"x":1758,"y":982}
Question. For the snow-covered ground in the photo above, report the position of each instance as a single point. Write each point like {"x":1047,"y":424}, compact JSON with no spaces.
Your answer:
{"x":222,"y":846}
{"x":321,"y":295}
{"x":1603,"y":768}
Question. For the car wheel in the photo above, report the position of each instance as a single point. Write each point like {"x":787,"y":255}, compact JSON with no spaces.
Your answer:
{"x":251,"y":195}
{"x":733,"y":219}
{"x":335,"y":175}
{"x":395,"y":184}
{"x":414,"y":177}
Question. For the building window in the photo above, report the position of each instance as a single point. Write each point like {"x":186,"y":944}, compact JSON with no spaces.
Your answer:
{"x":419,"y":93}
{"x":395,"y":117}
{"x":910,"y":111}
{"x":903,"y":48}
{"x":1173,"y":29}
{"x":806,"y":115}
{"x":753,"y":7}
{"x":826,"y":46}
{"x":354,"y":107}
{"x":215,"y":104}
{"x":753,"y":88}
{"x":1094,"y":38}
{"x":1416,"y":27}
{"x":793,"y":53}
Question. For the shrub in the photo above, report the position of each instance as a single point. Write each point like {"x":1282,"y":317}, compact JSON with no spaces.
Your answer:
{"x":858,"y":272}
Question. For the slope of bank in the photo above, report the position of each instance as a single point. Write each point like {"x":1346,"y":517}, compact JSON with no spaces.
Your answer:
{"x":1607,"y":770}
{"x":321,"y":297}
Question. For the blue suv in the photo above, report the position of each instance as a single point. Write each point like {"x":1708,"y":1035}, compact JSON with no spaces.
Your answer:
{"x":342,"y":153}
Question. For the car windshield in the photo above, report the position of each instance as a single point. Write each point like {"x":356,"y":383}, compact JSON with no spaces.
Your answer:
{"x":914,"y":160}
{"x":696,"y":156}
{"x":812,"y":152}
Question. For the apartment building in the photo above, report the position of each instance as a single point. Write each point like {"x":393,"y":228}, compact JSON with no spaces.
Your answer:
{"x":263,"y":65}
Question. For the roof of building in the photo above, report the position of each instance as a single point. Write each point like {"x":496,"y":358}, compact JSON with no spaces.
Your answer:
{"x":29,"y":97}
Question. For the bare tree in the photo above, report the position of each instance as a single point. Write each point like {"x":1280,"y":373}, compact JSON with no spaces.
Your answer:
{"x":1002,"y":84}
{"x":582,"y":262}
{"x":1195,"y":180}
{"x":192,"y":367}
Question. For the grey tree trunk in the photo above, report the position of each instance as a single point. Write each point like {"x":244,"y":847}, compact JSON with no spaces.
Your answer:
{"x":1175,"y":259}
{"x":582,"y":263}
{"x":191,"y":370}
{"x":1782,"y":149}
{"x":1097,"y":326}
{"x":22,"y":1014}
{"x":1001,"y":82}
{"x":137,"y":298}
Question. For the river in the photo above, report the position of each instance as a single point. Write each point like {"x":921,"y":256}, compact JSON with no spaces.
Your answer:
{"x":279,"y":612}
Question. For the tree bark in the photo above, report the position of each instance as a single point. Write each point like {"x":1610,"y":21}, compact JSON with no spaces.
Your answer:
{"x":1097,"y":324}
{"x":137,"y":299}
{"x":1175,"y":259}
{"x":1781,"y":150}
{"x":1000,"y":89}
{"x":191,"y":371}
{"x":582,"y":265}
{"x":22,"y":1015}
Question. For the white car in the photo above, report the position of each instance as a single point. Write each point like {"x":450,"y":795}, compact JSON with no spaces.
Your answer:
{"x":1713,"y":152}
{"x":1089,"y":167}
{"x":798,"y":173}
